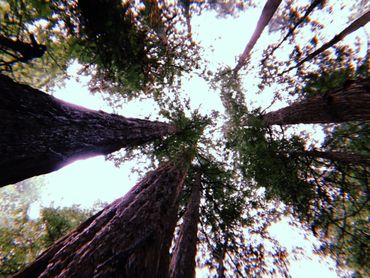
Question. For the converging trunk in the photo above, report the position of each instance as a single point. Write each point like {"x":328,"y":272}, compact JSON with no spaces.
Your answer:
{"x":183,"y":257}
{"x":40,"y":134}
{"x":131,"y":237}
{"x":349,"y":103}
{"x":343,"y":157}
{"x":268,"y":11}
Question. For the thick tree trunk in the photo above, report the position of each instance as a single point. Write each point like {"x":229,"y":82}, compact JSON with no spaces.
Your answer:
{"x":268,"y":11}
{"x":350,"y":103}
{"x":40,"y":134}
{"x":183,"y":257}
{"x":129,"y":238}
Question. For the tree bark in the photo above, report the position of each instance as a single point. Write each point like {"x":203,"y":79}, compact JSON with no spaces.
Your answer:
{"x":343,"y":157}
{"x":268,"y":11}
{"x":357,"y":24}
{"x":40,"y":134}
{"x":350,"y":103}
{"x":129,"y":238}
{"x":183,"y":257}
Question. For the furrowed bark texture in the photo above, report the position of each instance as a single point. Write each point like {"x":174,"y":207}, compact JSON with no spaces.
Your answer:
{"x":129,"y":238}
{"x":268,"y":11}
{"x":349,"y":103}
{"x":183,"y":257}
{"x":40,"y":134}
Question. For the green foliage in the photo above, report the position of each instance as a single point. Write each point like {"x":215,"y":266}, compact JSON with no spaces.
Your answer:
{"x":25,"y":239}
{"x":22,"y":18}
{"x":343,"y":225}
{"x":142,"y":48}
{"x":132,"y":49}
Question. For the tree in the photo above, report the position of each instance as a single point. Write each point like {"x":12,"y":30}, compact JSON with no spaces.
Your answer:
{"x":305,"y":17}
{"x":251,"y":172}
{"x":355,"y":25}
{"x":268,"y":11}
{"x":342,"y":157}
{"x":25,"y":51}
{"x":183,"y":256}
{"x":130,"y":237}
{"x":41,"y":134}
{"x":25,"y":239}
{"x":344,"y":104}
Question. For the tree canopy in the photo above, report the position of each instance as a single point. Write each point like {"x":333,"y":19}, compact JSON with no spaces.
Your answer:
{"x":216,"y":181}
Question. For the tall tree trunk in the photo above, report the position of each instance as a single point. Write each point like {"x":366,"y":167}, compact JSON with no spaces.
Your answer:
{"x":183,"y":257}
{"x":343,"y":157}
{"x":350,"y":103}
{"x":357,"y":24}
{"x":221,"y":261}
{"x":40,"y":134}
{"x":131,"y":237}
{"x":268,"y":11}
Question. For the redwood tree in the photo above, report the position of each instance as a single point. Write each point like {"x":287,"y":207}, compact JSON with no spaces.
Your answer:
{"x":268,"y":11}
{"x":183,"y":257}
{"x":349,"y":103}
{"x":131,"y":237}
{"x":40,"y":134}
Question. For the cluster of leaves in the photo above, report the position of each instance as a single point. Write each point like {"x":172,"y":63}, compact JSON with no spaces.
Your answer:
{"x":21,"y":20}
{"x":343,"y":225}
{"x":233,"y":224}
{"x":26,"y":238}
{"x":133,"y":47}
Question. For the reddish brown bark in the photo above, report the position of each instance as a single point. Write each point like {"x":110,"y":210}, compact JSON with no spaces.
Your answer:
{"x":183,"y":257}
{"x":349,"y":103}
{"x":129,"y":238}
{"x":40,"y":134}
{"x":268,"y":11}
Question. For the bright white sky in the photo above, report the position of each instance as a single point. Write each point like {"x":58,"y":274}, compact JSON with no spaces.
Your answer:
{"x":87,"y":181}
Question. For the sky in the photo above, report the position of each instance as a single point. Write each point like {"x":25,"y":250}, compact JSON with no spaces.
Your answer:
{"x":85,"y":182}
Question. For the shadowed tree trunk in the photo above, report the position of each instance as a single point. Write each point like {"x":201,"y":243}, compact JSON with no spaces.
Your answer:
{"x":357,"y":24}
{"x":220,"y":258}
{"x":20,"y":51}
{"x":40,"y":134}
{"x":350,"y":103}
{"x":183,"y":257}
{"x":268,"y":11}
{"x":131,"y":237}
{"x":343,"y":157}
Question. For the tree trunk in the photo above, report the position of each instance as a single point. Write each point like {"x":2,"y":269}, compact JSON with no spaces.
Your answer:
{"x":350,"y":103}
{"x":268,"y":11}
{"x":343,"y":157}
{"x":183,"y":257}
{"x":21,"y":51}
{"x":131,"y":237}
{"x":357,"y":24}
{"x":40,"y":134}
